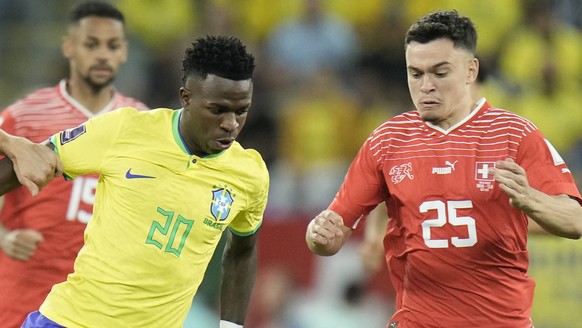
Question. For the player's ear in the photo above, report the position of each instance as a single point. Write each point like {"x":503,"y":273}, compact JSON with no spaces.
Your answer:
{"x":185,"y":96}
{"x":473,"y":70}
{"x":67,"y":47}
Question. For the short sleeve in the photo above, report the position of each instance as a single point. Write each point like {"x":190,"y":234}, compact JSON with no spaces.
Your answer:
{"x":248,"y":221}
{"x":363,"y":187}
{"x":83,"y":149}
{"x":545,"y":168}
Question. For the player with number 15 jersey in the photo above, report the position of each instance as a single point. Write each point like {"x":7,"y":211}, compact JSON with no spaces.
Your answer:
{"x":452,"y":256}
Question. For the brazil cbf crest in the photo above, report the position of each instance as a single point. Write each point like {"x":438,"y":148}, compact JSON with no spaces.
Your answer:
{"x":221,"y":204}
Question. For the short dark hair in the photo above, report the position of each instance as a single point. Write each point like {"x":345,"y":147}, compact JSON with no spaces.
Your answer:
{"x":447,"y":24}
{"x":95,"y":8}
{"x":224,"y":56}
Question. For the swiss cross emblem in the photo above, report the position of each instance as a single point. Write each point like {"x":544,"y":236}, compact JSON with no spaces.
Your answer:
{"x":483,"y":176}
{"x":482,"y":171}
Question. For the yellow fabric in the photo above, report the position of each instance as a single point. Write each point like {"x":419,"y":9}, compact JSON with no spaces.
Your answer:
{"x":157,"y":219}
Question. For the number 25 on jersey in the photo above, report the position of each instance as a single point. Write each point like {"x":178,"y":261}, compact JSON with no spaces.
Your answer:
{"x":447,"y":213}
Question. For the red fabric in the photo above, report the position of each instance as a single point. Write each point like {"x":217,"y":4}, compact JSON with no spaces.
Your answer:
{"x":456,"y":249}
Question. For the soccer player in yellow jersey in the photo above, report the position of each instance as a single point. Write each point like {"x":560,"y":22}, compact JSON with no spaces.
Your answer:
{"x":171,"y":181}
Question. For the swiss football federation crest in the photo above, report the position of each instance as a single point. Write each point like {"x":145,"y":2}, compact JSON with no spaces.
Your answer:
{"x":399,"y":172}
{"x":221,"y":203}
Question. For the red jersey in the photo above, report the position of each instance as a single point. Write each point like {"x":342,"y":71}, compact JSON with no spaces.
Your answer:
{"x":455,"y":247}
{"x":60,"y":211}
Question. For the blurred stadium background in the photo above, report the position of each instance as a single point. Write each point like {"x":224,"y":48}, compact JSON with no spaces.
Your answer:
{"x":329,"y":71}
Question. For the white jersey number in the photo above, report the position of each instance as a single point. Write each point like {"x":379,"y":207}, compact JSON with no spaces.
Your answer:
{"x":447,"y":213}
{"x":83,"y":193}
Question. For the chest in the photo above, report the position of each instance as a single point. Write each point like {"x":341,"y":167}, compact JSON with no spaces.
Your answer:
{"x":203,"y":191}
{"x":448,"y":167}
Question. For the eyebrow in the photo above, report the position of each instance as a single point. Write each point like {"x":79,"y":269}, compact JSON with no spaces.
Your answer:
{"x":94,"y":38}
{"x":433,"y":67}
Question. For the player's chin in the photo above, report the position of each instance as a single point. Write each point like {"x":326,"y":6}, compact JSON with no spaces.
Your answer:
{"x":428,"y":116}
{"x":218,"y":147}
{"x":101,"y":80}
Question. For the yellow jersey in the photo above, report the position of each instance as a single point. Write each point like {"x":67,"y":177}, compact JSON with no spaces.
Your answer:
{"x":159,"y":213}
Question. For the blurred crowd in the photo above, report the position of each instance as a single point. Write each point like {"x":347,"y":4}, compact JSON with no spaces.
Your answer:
{"x":328,"y":73}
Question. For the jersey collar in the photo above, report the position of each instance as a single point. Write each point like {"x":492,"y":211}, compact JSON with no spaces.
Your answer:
{"x":81,"y":108}
{"x":178,"y":136}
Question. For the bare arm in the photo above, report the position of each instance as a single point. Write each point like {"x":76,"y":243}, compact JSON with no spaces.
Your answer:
{"x":27,"y":163}
{"x":239,"y":267}
{"x":559,"y":215}
{"x":326,"y":233}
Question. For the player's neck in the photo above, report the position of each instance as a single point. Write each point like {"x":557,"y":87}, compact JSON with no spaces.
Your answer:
{"x":92,"y":99}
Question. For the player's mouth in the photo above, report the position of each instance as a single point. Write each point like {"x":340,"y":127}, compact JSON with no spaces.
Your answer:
{"x":102,"y":71}
{"x":429,"y":103}
{"x":224,"y":143}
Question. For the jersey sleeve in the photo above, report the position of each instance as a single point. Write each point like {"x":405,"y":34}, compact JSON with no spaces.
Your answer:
{"x":83,"y":149}
{"x":7,"y":122}
{"x":247,"y":222}
{"x":363,"y":187}
{"x":546,"y":170}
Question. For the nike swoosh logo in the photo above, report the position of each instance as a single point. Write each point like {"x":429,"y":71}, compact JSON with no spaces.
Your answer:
{"x":130,"y":175}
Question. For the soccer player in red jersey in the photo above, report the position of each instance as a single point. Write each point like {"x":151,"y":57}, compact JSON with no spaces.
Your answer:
{"x":41,"y":236}
{"x":460,"y":179}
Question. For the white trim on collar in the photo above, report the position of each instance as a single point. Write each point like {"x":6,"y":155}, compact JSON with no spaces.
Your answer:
{"x":81,"y":108}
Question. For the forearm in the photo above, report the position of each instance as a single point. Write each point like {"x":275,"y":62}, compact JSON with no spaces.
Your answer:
{"x":8,"y":143}
{"x":559,"y":215}
{"x":4,"y":139}
{"x":238,"y":277}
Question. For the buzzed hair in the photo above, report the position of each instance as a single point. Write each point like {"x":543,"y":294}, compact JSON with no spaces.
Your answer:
{"x":224,"y":56}
{"x":447,"y":24}
{"x":95,"y":8}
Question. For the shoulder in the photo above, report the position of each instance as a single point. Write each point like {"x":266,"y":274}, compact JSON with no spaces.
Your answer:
{"x":502,"y":119}
{"x":122,"y":100}
{"x":400,"y":126}
{"x":39,"y":100}
{"x":133,"y":113}
{"x":249,"y":163}
{"x":248,"y":156}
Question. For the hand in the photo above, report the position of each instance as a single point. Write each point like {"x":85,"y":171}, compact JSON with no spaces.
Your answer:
{"x":20,"y":244}
{"x":513,"y":181}
{"x":35,"y":164}
{"x":324,"y":229}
